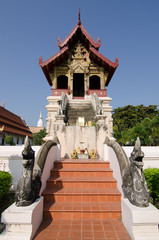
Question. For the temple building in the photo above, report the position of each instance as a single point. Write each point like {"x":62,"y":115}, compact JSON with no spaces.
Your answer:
{"x":78,"y":107}
{"x":99,"y":190}
{"x":11,"y":124}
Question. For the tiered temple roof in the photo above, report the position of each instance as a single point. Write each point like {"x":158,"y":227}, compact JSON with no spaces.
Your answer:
{"x":78,"y":32}
{"x":12,"y":124}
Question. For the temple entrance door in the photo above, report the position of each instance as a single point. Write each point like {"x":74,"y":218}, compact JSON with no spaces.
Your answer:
{"x":78,"y":85}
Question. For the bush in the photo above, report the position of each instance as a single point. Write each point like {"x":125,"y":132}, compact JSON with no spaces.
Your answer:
{"x":9,"y":140}
{"x":5,"y":183}
{"x":152,"y":179}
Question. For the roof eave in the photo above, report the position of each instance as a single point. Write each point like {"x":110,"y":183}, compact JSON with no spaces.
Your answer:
{"x":104,"y":59}
{"x":45,"y":65}
{"x":106,"y":63}
{"x":110,"y":77}
{"x":46,"y":73}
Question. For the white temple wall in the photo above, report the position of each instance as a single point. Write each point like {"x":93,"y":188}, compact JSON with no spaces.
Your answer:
{"x":73,"y":137}
{"x":151,"y":156}
{"x":11,"y":161}
{"x":83,"y":137}
{"x":52,"y":108}
{"x":107,"y":111}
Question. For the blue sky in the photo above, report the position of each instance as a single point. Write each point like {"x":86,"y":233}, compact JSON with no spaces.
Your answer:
{"x":29,"y":29}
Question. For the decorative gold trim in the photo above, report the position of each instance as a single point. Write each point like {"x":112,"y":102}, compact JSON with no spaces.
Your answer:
{"x":2,"y":128}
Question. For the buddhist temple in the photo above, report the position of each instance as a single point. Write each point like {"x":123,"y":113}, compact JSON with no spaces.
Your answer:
{"x":11,"y":124}
{"x":79,"y":106}
{"x":88,"y":187}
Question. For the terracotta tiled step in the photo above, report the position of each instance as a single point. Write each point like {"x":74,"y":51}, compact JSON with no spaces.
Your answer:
{"x":81,"y":195}
{"x":81,"y":229}
{"x":82,"y":199}
{"x":81,"y":172}
{"x":82,"y":163}
{"x":82,"y":210}
{"x":81,"y":182}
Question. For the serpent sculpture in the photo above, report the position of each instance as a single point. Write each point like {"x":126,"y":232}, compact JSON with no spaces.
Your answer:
{"x":133,"y":181}
{"x":29,"y":184}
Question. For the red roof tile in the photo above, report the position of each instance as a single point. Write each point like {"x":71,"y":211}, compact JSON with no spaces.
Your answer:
{"x":51,"y":59}
{"x":49,"y":62}
{"x":106,"y":63}
{"x":13,"y":123}
{"x":85,"y":33}
{"x":64,"y":46}
{"x":104,"y":59}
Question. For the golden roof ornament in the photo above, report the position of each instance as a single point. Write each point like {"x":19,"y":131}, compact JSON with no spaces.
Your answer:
{"x":2,"y":128}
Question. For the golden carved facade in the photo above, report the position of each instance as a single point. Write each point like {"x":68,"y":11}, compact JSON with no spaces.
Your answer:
{"x":78,"y":62}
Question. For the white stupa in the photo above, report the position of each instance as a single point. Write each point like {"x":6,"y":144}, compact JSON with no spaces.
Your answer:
{"x":40,"y":121}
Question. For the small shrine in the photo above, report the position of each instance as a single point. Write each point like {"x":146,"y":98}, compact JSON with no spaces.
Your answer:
{"x":80,"y":153}
{"x":79,"y":113}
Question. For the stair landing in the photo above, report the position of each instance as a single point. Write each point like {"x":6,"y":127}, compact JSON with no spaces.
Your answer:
{"x":82,"y":201}
{"x":64,"y":229}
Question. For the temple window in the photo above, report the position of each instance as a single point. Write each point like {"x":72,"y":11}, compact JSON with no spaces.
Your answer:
{"x":94,"y":82}
{"x":3,"y":140}
{"x":62,"y":82}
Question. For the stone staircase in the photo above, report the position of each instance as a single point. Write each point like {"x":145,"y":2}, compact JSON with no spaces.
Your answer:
{"x":81,"y":189}
{"x":79,"y":108}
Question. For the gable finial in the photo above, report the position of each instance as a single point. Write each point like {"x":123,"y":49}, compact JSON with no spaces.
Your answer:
{"x":116,"y":61}
{"x":58,"y":42}
{"x":40,"y":60}
{"x":79,"y":17}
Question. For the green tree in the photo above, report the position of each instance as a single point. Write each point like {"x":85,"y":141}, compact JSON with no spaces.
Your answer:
{"x":140,"y":131}
{"x":128,"y":137}
{"x":128,"y":116}
{"x":155,"y":131}
{"x":38,"y":137}
{"x":9,"y":140}
{"x":117,"y":134}
{"x":133,"y":121}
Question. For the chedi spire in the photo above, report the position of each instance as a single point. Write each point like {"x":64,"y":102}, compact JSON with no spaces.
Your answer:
{"x":40,"y":121}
